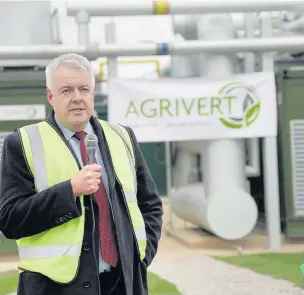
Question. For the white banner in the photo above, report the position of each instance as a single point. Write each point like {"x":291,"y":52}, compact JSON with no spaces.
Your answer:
{"x":179,"y":109}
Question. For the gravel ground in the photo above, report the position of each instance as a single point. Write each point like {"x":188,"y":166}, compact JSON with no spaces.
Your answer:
{"x":196,"y":274}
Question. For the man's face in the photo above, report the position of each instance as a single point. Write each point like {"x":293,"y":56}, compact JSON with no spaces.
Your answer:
{"x":72,"y":96}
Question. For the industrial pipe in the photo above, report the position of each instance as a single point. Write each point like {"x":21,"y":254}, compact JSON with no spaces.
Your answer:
{"x":164,"y":7}
{"x":222,"y":160}
{"x":253,"y":167}
{"x":285,"y":44}
{"x":185,"y":66}
{"x":83,"y":20}
{"x":225,"y":214}
{"x":297,"y":24}
{"x":185,"y":25}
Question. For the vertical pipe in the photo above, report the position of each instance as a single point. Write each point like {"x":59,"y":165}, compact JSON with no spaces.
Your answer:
{"x":182,"y":66}
{"x":110,"y":34}
{"x":249,"y":61}
{"x":83,"y":20}
{"x":270,"y":159}
{"x":184,"y":28}
{"x":253,"y":169}
{"x":223,"y":160}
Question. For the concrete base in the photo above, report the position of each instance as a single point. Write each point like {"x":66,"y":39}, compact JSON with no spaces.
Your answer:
{"x":194,"y":238}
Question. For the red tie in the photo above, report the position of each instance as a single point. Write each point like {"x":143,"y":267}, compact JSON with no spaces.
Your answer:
{"x":107,"y":239}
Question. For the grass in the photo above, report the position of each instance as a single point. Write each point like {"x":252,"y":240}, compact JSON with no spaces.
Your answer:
{"x":278,"y":265}
{"x":7,"y":246}
{"x":8,"y":282}
{"x":157,"y":286}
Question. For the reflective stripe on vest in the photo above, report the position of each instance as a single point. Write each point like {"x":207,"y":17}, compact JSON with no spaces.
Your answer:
{"x":39,"y":252}
{"x":39,"y":166}
{"x":59,"y":248}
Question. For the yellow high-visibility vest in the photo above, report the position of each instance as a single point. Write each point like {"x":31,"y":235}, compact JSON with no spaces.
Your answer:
{"x":55,"y":253}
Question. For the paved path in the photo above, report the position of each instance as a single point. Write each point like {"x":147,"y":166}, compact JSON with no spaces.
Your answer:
{"x":196,"y":274}
{"x":8,"y":266}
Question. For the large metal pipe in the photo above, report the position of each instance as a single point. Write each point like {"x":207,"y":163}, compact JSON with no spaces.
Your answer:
{"x":138,"y":8}
{"x":222,"y":160}
{"x":286,"y":44}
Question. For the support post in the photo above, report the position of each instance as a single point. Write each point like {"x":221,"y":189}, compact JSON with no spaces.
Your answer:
{"x":168,"y":167}
{"x":110,"y":35}
{"x":270,"y":160}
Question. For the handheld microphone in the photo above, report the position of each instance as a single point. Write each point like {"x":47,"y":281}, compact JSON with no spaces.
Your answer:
{"x":91,"y":143}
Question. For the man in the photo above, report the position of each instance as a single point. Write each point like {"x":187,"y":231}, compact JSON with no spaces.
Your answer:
{"x":81,"y":227}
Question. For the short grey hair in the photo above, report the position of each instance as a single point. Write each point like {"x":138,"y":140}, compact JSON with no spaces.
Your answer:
{"x":69,"y":60}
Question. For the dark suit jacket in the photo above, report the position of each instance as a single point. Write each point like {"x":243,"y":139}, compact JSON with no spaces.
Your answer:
{"x":24,"y":212}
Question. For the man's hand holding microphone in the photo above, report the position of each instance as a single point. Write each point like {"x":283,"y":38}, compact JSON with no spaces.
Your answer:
{"x":87,"y":180}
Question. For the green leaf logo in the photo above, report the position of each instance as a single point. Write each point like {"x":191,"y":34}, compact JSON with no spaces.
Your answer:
{"x":231,"y":125}
{"x":252,"y":114}
{"x":250,"y":105}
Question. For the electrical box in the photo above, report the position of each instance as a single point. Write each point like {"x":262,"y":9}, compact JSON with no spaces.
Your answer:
{"x":291,"y":150}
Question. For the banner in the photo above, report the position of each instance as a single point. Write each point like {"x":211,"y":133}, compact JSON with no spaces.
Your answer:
{"x":181,"y":109}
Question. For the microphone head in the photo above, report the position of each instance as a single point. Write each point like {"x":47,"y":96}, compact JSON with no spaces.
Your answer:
{"x":91,"y":142}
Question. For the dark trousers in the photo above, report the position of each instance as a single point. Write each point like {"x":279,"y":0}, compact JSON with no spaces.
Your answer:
{"x":112,"y":282}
